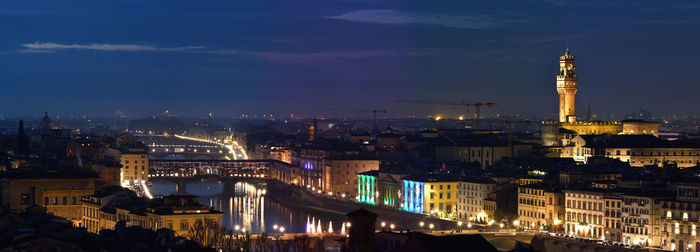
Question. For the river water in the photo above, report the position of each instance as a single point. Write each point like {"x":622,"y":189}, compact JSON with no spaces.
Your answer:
{"x":248,"y":206}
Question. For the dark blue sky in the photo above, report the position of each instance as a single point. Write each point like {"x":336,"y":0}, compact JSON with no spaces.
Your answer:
{"x":255,"y":56}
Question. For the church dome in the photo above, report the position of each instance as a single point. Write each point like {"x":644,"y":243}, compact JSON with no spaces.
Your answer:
{"x":46,"y":122}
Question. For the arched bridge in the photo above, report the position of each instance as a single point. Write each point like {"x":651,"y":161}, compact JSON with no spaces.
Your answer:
{"x":221,"y":168}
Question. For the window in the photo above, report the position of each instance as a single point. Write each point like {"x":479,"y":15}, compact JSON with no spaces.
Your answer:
{"x":184,"y":225}
{"x":25,"y":198}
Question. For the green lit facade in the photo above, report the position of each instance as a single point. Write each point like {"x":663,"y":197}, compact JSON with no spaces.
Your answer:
{"x":390,"y":193}
{"x":366,"y":189}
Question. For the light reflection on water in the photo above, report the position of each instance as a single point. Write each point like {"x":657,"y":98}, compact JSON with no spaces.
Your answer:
{"x":246,"y":205}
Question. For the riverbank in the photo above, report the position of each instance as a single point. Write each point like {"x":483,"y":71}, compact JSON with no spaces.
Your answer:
{"x":294,"y":196}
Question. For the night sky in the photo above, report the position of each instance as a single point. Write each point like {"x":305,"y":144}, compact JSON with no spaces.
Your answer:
{"x":306,"y":56}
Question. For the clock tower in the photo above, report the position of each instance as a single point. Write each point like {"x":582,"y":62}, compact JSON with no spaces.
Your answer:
{"x":567,"y":87}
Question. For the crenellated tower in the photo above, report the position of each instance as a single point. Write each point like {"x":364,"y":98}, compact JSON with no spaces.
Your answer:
{"x":567,"y":87}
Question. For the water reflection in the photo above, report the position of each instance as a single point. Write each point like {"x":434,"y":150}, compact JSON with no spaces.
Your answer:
{"x":248,"y":206}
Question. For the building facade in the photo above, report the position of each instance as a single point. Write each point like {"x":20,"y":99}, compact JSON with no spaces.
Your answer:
{"x":637,"y":150}
{"x":584,"y":213}
{"x":134,"y":166}
{"x":58,"y":192}
{"x":177,"y":213}
{"x":471,"y":194}
{"x":613,"y":217}
{"x":340,"y":172}
{"x":641,"y":217}
{"x":680,"y":219}
{"x":367,"y":191}
{"x":540,"y":207}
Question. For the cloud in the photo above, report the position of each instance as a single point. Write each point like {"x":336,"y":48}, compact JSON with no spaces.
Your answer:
{"x":270,"y":56}
{"x":390,"y":16}
{"x":45,"y":47}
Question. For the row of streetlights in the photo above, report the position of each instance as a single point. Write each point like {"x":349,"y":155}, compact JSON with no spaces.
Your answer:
{"x":274,"y":227}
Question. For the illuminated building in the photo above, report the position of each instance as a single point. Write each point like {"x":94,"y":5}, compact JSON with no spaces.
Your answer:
{"x":134,"y":163}
{"x":471,"y":193}
{"x":584,"y":213}
{"x":567,"y":86}
{"x":526,"y":180}
{"x":312,"y":161}
{"x":177,"y":213}
{"x":413,"y":196}
{"x":367,"y":188}
{"x":340,"y":172}
{"x":641,"y":217}
{"x":540,"y":206}
{"x":613,"y":217}
{"x":637,"y":150}
{"x":637,"y":127}
{"x":282,"y":154}
{"x":680,"y":219}
{"x":437,"y":193}
{"x":57,"y":191}
{"x":388,"y":188}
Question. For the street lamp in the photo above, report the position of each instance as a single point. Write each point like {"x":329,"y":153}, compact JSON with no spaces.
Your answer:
{"x":383,"y":224}
{"x":421,"y":224}
{"x":459,"y":223}
{"x":392,"y":226}
{"x":237,"y":227}
{"x":469,"y":225}
{"x":431,"y":226}
{"x":275,"y":227}
{"x":516,"y":222}
{"x":281,"y":229}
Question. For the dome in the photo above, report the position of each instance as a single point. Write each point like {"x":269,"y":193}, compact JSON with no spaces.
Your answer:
{"x":46,"y":122}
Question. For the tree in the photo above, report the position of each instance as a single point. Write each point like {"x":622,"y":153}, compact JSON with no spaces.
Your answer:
{"x":207,"y":233}
{"x":301,"y":243}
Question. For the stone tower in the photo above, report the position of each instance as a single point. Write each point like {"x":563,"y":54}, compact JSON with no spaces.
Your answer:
{"x":567,"y":87}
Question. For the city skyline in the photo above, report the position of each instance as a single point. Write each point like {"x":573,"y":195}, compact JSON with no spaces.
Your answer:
{"x":230,"y":58}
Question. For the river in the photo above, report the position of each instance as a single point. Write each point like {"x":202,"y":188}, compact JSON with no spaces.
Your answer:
{"x":248,"y":206}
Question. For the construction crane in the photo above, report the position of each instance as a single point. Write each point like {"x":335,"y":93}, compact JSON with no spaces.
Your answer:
{"x":374,"y":113}
{"x":476,"y":105}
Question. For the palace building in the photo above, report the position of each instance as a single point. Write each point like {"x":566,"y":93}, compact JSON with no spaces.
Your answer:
{"x":557,"y":133}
